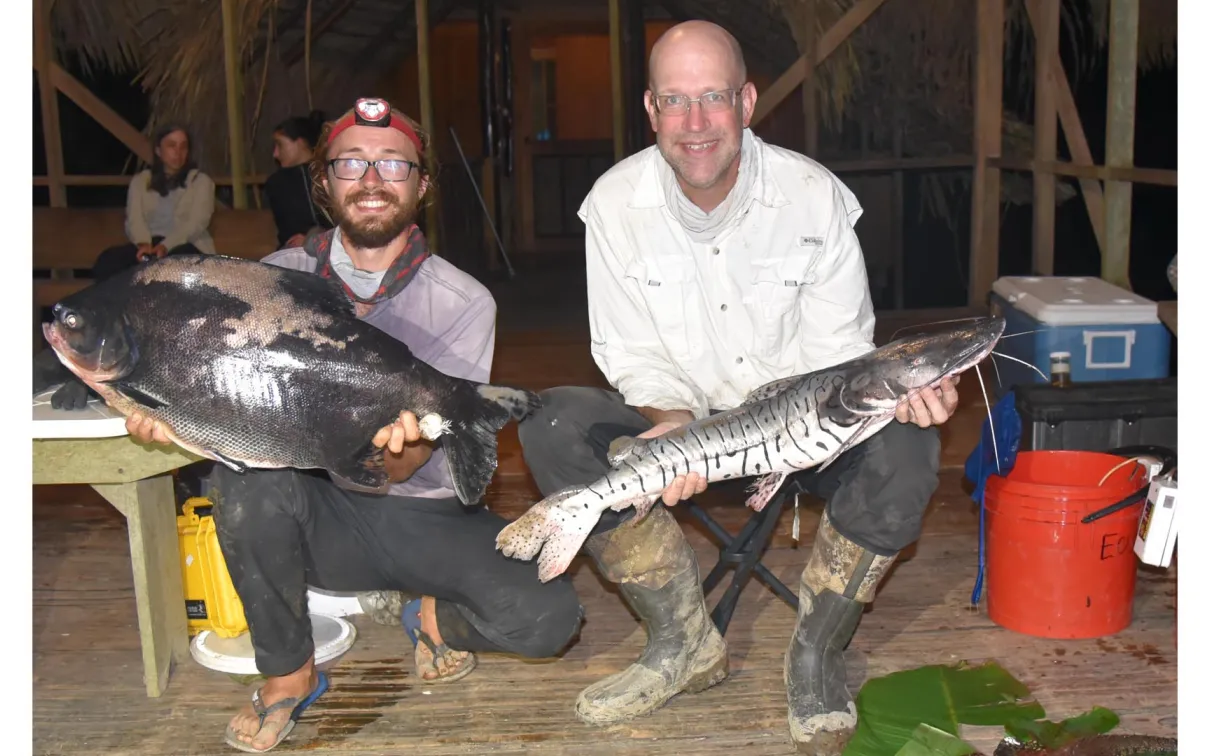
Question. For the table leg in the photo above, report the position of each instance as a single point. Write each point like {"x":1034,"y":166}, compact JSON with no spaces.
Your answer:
{"x":150,"y":509}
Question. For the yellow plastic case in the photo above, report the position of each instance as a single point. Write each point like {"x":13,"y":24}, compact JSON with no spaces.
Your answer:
{"x":211,"y":602}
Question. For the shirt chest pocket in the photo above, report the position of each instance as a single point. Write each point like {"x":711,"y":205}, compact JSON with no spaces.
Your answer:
{"x":669,"y":287}
{"x":775,"y":288}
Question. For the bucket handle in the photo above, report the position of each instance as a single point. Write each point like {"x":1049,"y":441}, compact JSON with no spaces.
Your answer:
{"x":1164,"y":453}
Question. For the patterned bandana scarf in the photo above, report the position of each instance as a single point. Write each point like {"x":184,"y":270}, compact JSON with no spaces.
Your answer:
{"x":399,"y":275}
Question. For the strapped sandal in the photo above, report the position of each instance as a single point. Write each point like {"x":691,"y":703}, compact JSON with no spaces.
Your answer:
{"x":263,"y":711}
{"x":411,"y":625}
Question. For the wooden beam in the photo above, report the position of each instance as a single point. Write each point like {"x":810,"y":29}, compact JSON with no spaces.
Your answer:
{"x":426,"y":113}
{"x":1073,"y":132}
{"x":618,"y":87}
{"x":299,"y":48}
{"x":235,"y":106}
{"x":810,"y":109}
{"x":794,"y":75}
{"x":1152,"y":176}
{"x":989,"y":110}
{"x":1045,"y":137}
{"x":1119,"y":137}
{"x":79,"y":93}
{"x":254,"y":179}
{"x":48,"y":96}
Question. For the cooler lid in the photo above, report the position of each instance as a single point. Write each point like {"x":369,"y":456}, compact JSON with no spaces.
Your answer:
{"x":333,"y":636}
{"x":1059,"y":300}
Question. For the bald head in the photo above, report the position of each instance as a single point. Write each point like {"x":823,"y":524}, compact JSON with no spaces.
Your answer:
{"x":698,"y":44}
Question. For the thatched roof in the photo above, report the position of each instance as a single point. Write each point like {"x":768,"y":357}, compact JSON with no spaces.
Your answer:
{"x":177,"y":47}
{"x":911,"y":63}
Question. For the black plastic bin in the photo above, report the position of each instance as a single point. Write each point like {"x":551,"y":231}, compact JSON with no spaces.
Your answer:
{"x":1098,"y":416}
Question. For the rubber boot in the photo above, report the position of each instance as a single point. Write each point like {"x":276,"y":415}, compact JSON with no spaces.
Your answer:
{"x":839,"y":580}
{"x":656,"y":571}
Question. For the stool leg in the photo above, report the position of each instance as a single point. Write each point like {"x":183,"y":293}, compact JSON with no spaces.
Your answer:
{"x":751,"y":556}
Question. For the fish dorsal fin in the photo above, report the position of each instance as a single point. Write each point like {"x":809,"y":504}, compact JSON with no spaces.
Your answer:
{"x":316,"y":291}
{"x":622,"y":447}
{"x":771,"y":389}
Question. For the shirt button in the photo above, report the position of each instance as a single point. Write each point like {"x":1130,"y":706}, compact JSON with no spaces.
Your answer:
{"x":723,"y":308}
{"x":715,"y":250}
{"x":809,"y":280}
{"x":739,"y":360}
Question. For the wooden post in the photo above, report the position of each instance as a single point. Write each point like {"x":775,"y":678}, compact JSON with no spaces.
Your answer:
{"x":48,"y":96}
{"x":235,"y":106}
{"x":1045,"y":136}
{"x":1119,"y":137}
{"x":810,"y":108}
{"x":1073,"y":133}
{"x":489,"y":128}
{"x":989,"y":109}
{"x":426,"y":112}
{"x":615,"y":77}
{"x":897,"y":247}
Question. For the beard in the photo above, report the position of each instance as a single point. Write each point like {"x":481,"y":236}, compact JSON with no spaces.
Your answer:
{"x":378,"y":230}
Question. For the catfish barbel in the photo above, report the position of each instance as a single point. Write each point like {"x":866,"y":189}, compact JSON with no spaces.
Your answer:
{"x":783,"y":427}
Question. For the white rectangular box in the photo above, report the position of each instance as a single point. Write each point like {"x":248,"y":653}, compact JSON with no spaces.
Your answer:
{"x":1156,"y":538}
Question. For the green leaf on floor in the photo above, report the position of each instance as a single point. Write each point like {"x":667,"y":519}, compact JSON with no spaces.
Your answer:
{"x":890,"y":708}
{"x":1096,"y":721}
{"x":927,"y":740}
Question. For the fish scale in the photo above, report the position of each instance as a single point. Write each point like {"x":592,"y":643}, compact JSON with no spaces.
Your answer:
{"x":786,"y":426}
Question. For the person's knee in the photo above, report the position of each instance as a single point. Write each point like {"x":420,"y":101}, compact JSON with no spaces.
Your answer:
{"x":552,"y":628}
{"x":911,"y":456}
{"x":245,"y":502}
{"x":550,"y":426}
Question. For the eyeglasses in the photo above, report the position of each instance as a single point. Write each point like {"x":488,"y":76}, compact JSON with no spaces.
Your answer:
{"x":710,"y":102}
{"x":352,"y":169}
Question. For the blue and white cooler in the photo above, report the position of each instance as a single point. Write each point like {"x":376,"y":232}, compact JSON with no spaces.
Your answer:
{"x":1111,"y":334}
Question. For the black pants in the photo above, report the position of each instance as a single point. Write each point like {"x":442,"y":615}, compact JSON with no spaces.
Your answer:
{"x":282,"y":530}
{"x":118,"y":258}
{"x":876,"y":492}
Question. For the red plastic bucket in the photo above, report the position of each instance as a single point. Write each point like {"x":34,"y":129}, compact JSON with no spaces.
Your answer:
{"x":1048,"y":574}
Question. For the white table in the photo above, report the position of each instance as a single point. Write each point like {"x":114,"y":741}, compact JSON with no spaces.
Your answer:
{"x":92,"y":446}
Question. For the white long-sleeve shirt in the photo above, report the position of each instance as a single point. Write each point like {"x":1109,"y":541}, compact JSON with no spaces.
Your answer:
{"x":680,"y":325}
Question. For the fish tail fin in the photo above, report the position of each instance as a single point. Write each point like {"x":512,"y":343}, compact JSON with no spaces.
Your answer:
{"x":471,"y":444}
{"x":557,"y":526}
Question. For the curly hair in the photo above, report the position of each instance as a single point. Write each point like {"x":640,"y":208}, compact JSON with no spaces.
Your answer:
{"x":319,"y":162}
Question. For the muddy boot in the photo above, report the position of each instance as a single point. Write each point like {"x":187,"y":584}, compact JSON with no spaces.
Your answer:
{"x":837,"y":583}
{"x":656,"y":571}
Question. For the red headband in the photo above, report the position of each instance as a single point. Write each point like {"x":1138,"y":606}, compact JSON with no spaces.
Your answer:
{"x":370,"y":111}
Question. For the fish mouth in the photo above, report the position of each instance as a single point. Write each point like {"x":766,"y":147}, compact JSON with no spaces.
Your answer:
{"x":70,"y":358}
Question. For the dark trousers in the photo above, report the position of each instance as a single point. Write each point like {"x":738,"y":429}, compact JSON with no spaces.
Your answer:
{"x":876,"y":492}
{"x":122,"y":256}
{"x":282,"y":530}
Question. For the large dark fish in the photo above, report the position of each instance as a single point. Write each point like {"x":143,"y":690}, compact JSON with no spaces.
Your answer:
{"x":254,"y":365}
{"x":785,"y":426}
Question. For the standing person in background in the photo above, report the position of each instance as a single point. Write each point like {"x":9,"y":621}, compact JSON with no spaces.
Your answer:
{"x":168,"y":207}
{"x":289,"y":188}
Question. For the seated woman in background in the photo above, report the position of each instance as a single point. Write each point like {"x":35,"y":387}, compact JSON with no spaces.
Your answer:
{"x":289,"y":188}
{"x":168,"y":207}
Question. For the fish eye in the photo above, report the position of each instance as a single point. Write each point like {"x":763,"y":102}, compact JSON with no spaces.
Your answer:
{"x":71,"y":320}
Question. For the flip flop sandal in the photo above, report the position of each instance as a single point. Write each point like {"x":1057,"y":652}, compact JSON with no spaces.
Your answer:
{"x":263,"y":711}
{"x":411,"y":625}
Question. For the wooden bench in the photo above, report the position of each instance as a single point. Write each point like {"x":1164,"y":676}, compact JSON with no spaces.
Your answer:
{"x":67,"y":239}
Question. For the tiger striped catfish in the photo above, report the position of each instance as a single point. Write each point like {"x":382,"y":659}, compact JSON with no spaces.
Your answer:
{"x":783,"y":427}
{"x":255,"y":365}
